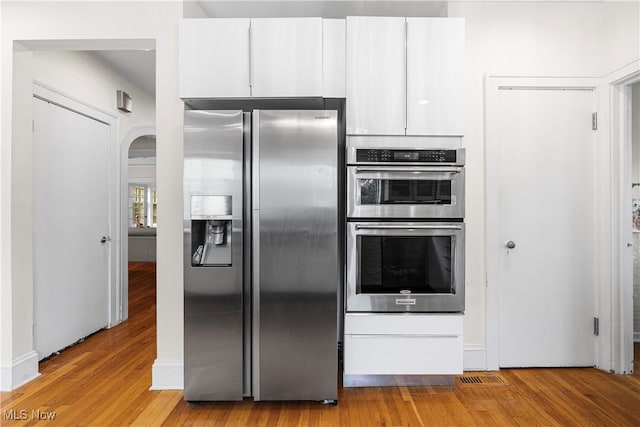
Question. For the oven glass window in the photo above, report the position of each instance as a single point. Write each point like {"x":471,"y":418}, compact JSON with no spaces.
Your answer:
{"x":390,"y":264}
{"x":404,"y":191}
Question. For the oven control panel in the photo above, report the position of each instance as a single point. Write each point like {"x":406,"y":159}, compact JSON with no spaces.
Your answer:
{"x":369,"y":155}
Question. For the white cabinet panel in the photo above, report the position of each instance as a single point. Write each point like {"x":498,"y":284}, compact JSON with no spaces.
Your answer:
{"x":376,"y":76}
{"x":286,"y":57}
{"x":214,"y":58}
{"x":333,"y":58}
{"x":403,"y":344}
{"x":435,"y":66}
{"x":414,"y":323}
{"x":402,"y":355}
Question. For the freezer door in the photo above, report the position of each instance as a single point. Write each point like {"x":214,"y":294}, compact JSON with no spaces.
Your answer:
{"x":213,"y":261}
{"x":295,"y":276}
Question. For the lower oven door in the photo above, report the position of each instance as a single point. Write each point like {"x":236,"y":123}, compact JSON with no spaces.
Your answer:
{"x":405,"y":267}
{"x":405,"y":192}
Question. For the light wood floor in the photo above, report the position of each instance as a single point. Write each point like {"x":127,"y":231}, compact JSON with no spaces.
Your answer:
{"x":106,"y":379}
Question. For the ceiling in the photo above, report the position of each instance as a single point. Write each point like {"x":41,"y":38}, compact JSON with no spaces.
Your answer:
{"x":137,"y":66}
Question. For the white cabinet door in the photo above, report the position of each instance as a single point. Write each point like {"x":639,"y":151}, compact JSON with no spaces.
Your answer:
{"x":333,"y":58}
{"x":286,"y":57}
{"x":435,"y":66}
{"x":376,"y":76}
{"x":214,"y":58}
{"x":403,"y":354}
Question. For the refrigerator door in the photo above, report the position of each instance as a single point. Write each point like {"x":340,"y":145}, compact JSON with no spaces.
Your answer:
{"x":295,"y":244}
{"x":213,"y":261}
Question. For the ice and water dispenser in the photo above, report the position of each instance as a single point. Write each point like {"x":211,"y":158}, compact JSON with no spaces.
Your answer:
{"x":211,"y":231}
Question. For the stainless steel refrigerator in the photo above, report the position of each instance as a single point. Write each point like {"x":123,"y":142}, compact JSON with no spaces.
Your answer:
{"x":261,"y":269}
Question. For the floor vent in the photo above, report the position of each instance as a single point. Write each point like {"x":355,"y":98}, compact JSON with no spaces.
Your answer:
{"x":481,"y":380}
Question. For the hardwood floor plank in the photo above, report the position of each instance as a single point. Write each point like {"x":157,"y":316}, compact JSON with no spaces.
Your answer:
{"x":105,"y":381}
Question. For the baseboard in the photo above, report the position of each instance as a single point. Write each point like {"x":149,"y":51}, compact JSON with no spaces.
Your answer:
{"x":474,"y":357}
{"x":636,"y":337}
{"x":167,"y":374}
{"x":22,"y":370}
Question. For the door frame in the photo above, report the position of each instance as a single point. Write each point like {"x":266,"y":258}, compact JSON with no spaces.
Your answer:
{"x":54,"y":96}
{"x":617,"y":277}
{"x":492,"y":222}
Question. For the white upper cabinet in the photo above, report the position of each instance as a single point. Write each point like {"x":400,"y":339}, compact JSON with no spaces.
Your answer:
{"x":435,"y":66}
{"x":405,"y":76}
{"x":333,"y":58}
{"x":214,"y":58}
{"x":376,"y":76}
{"x":286,"y":57}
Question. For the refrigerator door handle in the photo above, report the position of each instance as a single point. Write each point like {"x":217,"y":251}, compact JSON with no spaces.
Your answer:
{"x":255,"y":336}
{"x":255,"y":161}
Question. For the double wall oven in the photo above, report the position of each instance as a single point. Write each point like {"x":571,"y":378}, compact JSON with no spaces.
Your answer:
{"x":405,"y":231}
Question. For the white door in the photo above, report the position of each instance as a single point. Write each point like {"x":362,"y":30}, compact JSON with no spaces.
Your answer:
{"x":435,"y":76}
{"x":214,"y":58}
{"x":543,"y":148}
{"x":376,"y":76}
{"x":286,"y":57}
{"x":70,"y":216}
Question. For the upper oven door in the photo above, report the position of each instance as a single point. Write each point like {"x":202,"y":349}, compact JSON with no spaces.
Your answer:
{"x":404,"y":267}
{"x":405,"y":191}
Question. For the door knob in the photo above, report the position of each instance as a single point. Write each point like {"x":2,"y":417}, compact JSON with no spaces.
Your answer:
{"x":511,"y":244}
{"x":105,"y":239}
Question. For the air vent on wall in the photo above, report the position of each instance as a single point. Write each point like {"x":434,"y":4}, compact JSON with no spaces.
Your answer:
{"x":123,"y":101}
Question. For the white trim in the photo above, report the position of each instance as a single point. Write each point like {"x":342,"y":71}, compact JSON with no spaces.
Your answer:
{"x":140,"y":161}
{"x":51,"y":94}
{"x":167,"y":374}
{"x":623,"y":74}
{"x":617,"y":296}
{"x":123,"y":214}
{"x":492,"y":211}
{"x":22,"y":370}
{"x":475,"y":357}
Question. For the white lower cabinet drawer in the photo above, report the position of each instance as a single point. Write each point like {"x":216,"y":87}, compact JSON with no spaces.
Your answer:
{"x":403,"y":354}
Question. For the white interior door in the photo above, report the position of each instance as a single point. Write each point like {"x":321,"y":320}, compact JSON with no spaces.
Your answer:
{"x":544,"y":165}
{"x":70,"y":216}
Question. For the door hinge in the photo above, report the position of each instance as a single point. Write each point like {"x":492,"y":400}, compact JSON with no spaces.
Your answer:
{"x":594,"y":121}
{"x":596,"y":326}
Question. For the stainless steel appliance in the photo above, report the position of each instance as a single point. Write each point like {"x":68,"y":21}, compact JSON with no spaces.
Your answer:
{"x":261,"y":255}
{"x":405,"y":267}
{"x":405,"y":182}
{"x":405,"y":231}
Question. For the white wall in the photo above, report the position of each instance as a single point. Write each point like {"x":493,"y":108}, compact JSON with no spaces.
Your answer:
{"x":91,"y":25}
{"x":621,"y":41}
{"x":84,"y":77}
{"x":142,"y":172}
{"x":142,"y":160}
{"x":513,"y":39}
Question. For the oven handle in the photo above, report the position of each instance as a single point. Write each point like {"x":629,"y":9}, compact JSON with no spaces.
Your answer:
{"x":408,"y":227}
{"x":420,"y":169}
